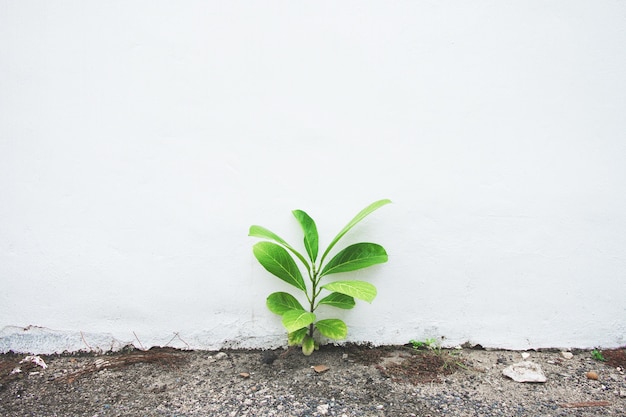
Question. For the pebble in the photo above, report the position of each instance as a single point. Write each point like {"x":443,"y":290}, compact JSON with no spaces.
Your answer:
{"x":525,"y":355}
{"x":268,"y":357}
{"x":219,"y":356}
{"x":320,"y":368}
{"x":592,"y":375}
{"x":567,"y":355}
{"x":323,"y":409}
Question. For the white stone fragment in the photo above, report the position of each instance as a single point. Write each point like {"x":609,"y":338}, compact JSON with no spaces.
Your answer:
{"x":525,"y":371}
{"x":525,"y":355}
{"x":36,"y":360}
{"x":567,"y":355}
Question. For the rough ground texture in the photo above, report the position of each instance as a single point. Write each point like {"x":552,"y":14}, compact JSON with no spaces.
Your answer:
{"x":351,"y":381}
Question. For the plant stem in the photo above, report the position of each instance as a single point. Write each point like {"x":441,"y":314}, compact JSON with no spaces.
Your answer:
{"x":314,"y":294}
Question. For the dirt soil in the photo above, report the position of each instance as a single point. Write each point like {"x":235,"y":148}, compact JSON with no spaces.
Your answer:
{"x":336,"y":381}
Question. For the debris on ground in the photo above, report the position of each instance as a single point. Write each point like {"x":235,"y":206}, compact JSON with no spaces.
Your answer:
{"x":163,"y":357}
{"x":586,"y":404}
{"x":525,"y":371}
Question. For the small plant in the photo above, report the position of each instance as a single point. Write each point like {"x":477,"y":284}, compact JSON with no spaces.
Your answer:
{"x":276,"y":258}
{"x":449,"y":359}
{"x":597,"y":355}
{"x":430,"y":344}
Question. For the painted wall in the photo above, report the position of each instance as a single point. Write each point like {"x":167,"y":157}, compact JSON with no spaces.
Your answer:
{"x":139,"y":141}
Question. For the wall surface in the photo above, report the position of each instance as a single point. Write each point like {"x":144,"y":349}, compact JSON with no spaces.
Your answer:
{"x":140,"y":139}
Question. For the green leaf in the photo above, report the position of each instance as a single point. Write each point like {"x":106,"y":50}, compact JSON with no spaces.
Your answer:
{"x":297,"y":319}
{"x":360,"y":216}
{"x":357,"y":256}
{"x":295,"y":338}
{"x":311,"y":239}
{"x":262,"y":232}
{"x":308,"y":345}
{"x":278,"y":262}
{"x":332,"y":328}
{"x":338,"y":300}
{"x":357,"y":289}
{"x":281,"y":302}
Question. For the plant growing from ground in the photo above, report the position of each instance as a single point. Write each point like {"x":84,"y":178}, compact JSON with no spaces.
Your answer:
{"x":279,"y":258}
{"x":449,"y":359}
{"x":430,"y":344}
{"x":597,"y":355}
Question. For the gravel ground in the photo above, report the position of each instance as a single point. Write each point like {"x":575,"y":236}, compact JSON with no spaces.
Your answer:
{"x":349,"y":381}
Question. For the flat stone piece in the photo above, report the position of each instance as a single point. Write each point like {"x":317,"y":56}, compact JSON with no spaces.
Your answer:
{"x":525,"y":371}
{"x":320,"y":368}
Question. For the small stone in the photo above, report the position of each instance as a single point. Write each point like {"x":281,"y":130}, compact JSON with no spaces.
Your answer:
{"x":344,"y":356}
{"x":592,"y":375}
{"x":268,"y":357}
{"x":320,"y":368}
{"x":525,"y":355}
{"x":622,"y":393}
{"x":380,"y":407}
{"x":158,"y":388}
{"x":525,"y":371}
{"x":567,"y":355}
{"x":322,"y":409}
{"x":219,"y":356}
{"x":244,"y":375}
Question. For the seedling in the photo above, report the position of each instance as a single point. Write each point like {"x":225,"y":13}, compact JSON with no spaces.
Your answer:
{"x":433,"y":346}
{"x":597,"y":355}
{"x":279,"y":258}
{"x":430,"y":344}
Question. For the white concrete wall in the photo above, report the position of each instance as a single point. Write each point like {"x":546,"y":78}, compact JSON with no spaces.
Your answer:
{"x":139,"y":140}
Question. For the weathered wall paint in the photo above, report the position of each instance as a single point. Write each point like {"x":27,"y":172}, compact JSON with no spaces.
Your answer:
{"x":139,"y":141}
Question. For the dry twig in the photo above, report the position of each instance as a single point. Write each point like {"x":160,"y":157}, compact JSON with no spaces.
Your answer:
{"x":119,"y":361}
{"x":586,"y":404}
